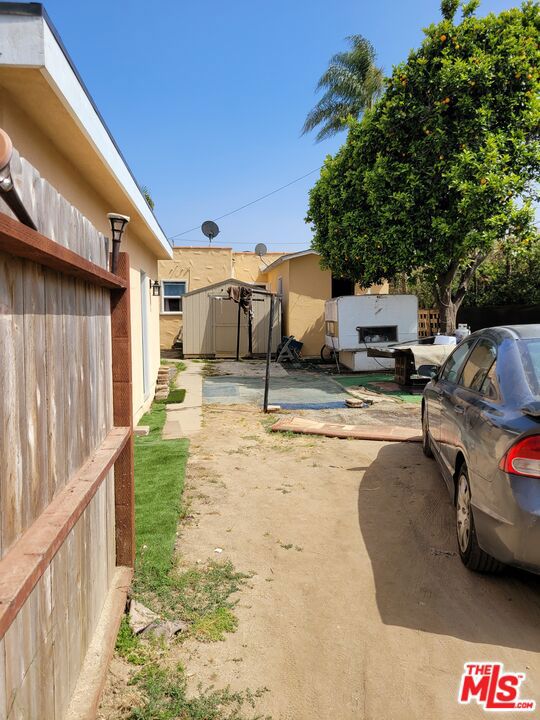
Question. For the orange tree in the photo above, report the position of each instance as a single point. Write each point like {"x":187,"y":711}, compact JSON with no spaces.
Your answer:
{"x":445,"y":165}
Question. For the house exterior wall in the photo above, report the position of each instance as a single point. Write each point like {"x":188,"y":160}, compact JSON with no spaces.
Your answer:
{"x":309,"y":288}
{"x":34,"y":145}
{"x":249,"y":267}
{"x":306,"y":288}
{"x":202,"y":266}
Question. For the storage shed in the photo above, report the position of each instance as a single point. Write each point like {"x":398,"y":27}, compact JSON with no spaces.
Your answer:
{"x":210,"y":322}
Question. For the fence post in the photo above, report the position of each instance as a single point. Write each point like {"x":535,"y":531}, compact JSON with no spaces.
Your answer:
{"x":124,"y":486}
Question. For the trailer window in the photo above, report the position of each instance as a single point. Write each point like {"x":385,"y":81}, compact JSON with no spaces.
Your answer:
{"x":377,"y":334}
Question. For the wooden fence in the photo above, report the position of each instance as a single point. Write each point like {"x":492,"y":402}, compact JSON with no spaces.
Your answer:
{"x":66,"y":448}
{"x":428,"y":322}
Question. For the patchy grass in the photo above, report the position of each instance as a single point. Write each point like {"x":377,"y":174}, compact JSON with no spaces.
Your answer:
{"x":213,"y":626}
{"x":176,"y":395}
{"x":199,"y":595}
{"x":129,"y":646}
{"x":165,"y":698}
{"x":209,"y":369}
{"x":194,"y":593}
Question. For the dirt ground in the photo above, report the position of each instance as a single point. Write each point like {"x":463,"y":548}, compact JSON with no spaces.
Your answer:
{"x":375,"y":615}
{"x":359,"y":607}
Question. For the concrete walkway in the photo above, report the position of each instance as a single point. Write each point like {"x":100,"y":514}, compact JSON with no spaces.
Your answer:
{"x":184,"y":419}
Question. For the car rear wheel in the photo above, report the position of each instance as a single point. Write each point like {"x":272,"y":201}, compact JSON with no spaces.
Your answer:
{"x":472,"y":555}
{"x":426,"y":442}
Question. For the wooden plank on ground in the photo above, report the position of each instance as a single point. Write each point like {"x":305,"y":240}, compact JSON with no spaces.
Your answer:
{"x":357,"y":432}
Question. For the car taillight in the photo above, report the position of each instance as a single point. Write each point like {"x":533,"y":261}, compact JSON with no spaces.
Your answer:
{"x":523,"y":458}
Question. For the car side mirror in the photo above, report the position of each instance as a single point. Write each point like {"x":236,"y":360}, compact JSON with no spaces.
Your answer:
{"x":434,"y":374}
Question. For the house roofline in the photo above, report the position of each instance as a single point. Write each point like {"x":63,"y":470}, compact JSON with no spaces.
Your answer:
{"x":231,"y":281}
{"x":37,"y":10}
{"x":290,"y":256}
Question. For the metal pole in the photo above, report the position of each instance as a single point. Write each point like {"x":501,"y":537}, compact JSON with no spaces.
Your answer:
{"x":238,"y":331}
{"x":250,"y":334}
{"x":268,"y":355}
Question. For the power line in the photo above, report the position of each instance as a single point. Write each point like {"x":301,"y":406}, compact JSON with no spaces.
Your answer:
{"x":242,"y":207}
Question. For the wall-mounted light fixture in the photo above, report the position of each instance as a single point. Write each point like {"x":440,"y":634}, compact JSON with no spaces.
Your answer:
{"x":118,"y":224}
{"x":156,"y":288}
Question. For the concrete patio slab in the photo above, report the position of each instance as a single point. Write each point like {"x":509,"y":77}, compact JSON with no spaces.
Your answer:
{"x":184,"y":419}
{"x":294,"y":391}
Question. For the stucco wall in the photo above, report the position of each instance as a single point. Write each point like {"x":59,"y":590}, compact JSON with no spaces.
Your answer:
{"x":200,"y":267}
{"x":309,"y":288}
{"x":249,"y":267}
{"x":37,"y":148}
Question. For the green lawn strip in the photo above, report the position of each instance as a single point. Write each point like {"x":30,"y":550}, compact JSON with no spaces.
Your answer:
{"x":159,"y":480}
{"x":175,"y":395}
{"x":369,"y":381}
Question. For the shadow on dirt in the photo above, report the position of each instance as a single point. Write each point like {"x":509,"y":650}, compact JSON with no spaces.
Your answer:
{"x":407,"y":522}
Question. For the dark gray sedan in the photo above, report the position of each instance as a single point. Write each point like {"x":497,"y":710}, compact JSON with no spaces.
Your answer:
{"x":481,"y":421}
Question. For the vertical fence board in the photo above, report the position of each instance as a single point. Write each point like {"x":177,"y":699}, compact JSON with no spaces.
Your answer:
{"x":34,"y":429}
{"x":60,"y":620}
{"x":42,"y":663}
{"x":11,"y":399}
{"x":3,"y":703}
{"x":55,"y":368}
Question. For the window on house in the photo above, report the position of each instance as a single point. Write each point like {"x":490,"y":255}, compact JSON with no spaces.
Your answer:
{"x":172,"y":292}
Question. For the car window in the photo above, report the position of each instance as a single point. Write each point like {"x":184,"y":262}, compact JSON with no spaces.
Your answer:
{"x":454,"y":363}
{"x":478,"y":365}
{"x":530,"y":354}
{"x":489,"y":386}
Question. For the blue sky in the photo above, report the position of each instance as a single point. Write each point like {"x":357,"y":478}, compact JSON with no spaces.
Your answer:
{"x":206,"y":99}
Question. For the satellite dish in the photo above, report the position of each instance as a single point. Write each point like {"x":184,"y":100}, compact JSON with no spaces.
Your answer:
{"x":210,"y":229}
{"x":261,"y":249}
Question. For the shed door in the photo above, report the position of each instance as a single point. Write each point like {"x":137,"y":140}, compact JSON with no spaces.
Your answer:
{"x":225,"y":321}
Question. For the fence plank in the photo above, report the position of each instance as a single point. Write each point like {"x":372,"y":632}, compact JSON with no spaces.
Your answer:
{"x":35,"y":460}
{"x":3,"y":703}
{"x":24,"y":564}
{"x":11,"y":400}
{"x":60,"y":621}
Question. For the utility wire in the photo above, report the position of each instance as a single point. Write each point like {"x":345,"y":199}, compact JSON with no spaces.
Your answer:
{"x":171,"y":237}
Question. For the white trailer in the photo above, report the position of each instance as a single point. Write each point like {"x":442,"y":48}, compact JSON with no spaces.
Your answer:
{"x":355,"y":323}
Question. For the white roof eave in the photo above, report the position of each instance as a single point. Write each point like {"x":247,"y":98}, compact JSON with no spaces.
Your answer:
{"x":29,"y":41}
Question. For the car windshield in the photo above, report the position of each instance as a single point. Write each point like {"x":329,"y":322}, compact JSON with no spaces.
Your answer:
{"x":530,"y":352}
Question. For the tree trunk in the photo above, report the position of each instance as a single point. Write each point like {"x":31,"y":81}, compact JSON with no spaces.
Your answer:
{"x":447,"y":310}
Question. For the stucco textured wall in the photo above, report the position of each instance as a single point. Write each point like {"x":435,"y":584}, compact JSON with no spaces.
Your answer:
{"x":200,"y":267}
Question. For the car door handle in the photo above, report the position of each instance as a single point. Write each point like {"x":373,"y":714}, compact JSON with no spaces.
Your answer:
{"x":459,"y":410}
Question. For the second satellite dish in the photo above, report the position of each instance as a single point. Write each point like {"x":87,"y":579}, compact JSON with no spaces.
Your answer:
{"x":210,"y":229}
{"x":261,"y":249}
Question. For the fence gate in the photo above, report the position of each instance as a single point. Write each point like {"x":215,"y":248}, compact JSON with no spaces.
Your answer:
{"x":66,"y":454}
